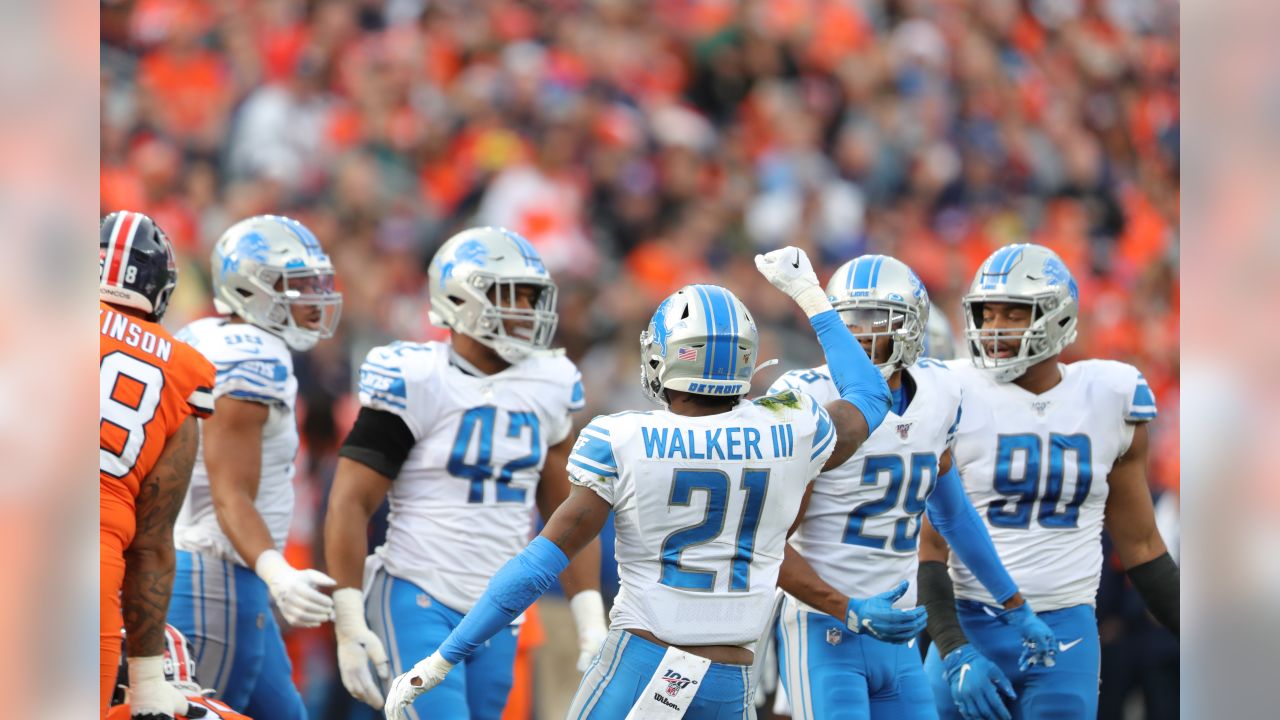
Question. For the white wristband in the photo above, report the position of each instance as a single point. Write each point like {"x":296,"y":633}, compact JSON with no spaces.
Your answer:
{"x":146,"y":669}
{"x":348,"y":608}
{"x":588,"y":611}
{"x":270,"y":564}
{"x":813,"y":300}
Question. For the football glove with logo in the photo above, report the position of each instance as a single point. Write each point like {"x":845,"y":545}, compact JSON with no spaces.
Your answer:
{"x":877,"y":617}
{"x":977,"y":684}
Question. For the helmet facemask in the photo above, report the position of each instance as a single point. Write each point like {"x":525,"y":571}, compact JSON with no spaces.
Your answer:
{"x":876,"y":322}
{"x":492,"y":314}
{"x":1051,"y":328}
{"x":269,"y":297}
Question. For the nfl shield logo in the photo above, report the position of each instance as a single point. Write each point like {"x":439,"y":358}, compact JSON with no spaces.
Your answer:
{"x":834,"y":636}
{"x":1040,"y":406}
{"x":903,"y":429}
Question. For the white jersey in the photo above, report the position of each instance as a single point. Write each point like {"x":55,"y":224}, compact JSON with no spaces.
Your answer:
{"x":861,"y":529}
{"x":256,"y":366}
{"x":462,"y":505}
{"x":1036,"y":466}
{"x":702,"y":507}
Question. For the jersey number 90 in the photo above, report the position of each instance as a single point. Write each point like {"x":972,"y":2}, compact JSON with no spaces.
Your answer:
{"x":1020,"y":482}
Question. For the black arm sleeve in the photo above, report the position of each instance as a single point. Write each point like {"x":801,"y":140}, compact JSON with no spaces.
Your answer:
{"x":935,"y":592}
{"x":1158,"y":583}
{"x":379,"y":440}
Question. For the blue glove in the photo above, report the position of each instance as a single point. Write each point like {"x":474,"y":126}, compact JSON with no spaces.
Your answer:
{"x":977,"y":684}
{"x":1037,"y":639}
{"x":877,"y":617}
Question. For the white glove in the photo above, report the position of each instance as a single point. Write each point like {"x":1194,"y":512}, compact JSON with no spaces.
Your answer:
{"x":789,"y":270}
{"x":152,"y":697}
{"x":357,"y":647}
{"x":406,"y":688}
{"x":593,"y":630}
{"x":295,"y":591}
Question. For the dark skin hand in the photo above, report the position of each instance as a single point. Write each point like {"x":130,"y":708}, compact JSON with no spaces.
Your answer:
{"x":149,"y":559}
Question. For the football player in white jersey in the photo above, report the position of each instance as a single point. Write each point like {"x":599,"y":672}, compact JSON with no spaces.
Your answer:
{"x":464,"y":438}
{"x":1049,"y":454}
{"x":705,"y":491}
{"x":860,"y":525}
{"x":274,"y":286}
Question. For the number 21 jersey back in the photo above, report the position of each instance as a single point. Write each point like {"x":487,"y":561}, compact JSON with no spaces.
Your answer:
{"x":702,"y":507}
{"x":1035,"y":468}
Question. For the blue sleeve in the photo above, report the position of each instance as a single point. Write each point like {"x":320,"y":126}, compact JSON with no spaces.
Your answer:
{"x":950,"y":511}
{"x":511,"y":591}
{"x":858,"y":380}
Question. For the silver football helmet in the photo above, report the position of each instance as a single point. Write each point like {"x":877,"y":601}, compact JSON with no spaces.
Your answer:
{"x":266,"y":265}
{"x":1031,"y":275}
{"x":701,"y":340}
{"x":473,"y":280}
{"x":886,"y":301}
{"x":939,"y":341}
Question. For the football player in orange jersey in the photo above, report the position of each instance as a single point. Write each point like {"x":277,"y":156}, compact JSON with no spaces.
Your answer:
{"x":180,"y":673}
{"x":150,"y":386}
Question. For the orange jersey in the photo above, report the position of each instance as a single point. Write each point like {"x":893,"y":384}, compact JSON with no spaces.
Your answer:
{"x":148,"y":384}
{"x":216,"y":710}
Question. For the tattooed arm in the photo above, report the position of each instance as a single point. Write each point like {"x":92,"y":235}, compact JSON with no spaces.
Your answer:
{"x":149,"y":561}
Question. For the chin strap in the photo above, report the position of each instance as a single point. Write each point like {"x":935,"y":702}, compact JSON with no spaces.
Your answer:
{"x":763,"y":365}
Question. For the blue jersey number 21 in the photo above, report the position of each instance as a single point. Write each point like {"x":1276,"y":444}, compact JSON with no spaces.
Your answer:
{"x":716,"y":485}
{"x":479,"y":422}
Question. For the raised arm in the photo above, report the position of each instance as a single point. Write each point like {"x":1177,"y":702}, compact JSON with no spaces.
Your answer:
{"x":581,"y":580}
{"x":148,"y":574}
{"x":1131,"y":522}
{"x":858,"y":380}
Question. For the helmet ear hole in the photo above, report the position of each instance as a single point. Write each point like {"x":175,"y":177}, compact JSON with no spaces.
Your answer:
{"x":685,"y":314}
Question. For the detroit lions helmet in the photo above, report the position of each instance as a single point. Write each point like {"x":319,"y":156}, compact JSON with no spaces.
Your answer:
{"x":883,"y":294}
{"x":264,"y":266}
{"x":1032,"y":275}
{"x":472,"y":282}
{"x":701,"y":340}
{"x":136,"y":267}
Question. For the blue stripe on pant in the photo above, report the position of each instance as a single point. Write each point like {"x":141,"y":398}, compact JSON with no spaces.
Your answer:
{"x":224,"y":609}
{"x":412,"y":624}
{"x":832,"y":674}
{"x":624,"y":667}
{"x":1067,"y":690}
